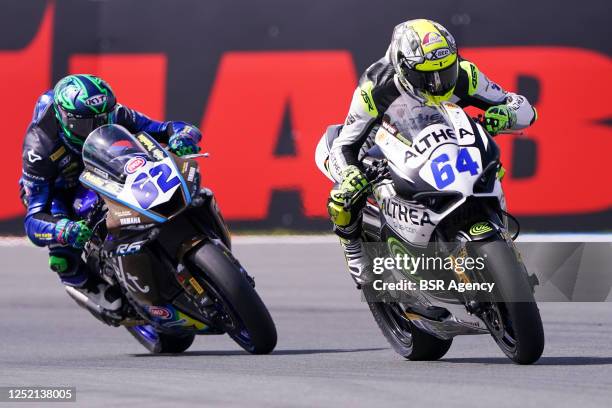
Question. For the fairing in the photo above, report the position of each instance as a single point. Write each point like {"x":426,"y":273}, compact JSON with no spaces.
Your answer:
{"x":434,"y":167}
{"x":136,"y":173}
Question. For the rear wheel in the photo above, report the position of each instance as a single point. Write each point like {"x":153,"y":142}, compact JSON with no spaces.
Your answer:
{"x":513,"y":318}
{"x":406,"y":339}
{"x":244,"y":316}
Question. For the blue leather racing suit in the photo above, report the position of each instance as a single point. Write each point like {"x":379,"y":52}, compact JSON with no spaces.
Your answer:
{"x":51,"y":168}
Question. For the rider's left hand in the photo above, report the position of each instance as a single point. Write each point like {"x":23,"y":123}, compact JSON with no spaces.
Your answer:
{"x":499,"y":118}
{"x":182,"y":144}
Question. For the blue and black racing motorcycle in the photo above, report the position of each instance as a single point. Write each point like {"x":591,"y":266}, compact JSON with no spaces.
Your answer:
{"x":162,"y":240}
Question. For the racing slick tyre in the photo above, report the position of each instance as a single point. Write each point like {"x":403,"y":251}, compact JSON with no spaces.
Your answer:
{"x":248,"y":321}
{"x":175,"y":344}
{"x":515,"y":322}
{"x":406,"y":339}
{"x":158,"y":342}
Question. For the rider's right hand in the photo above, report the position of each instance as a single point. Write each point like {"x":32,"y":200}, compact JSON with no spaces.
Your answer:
{"x":73,"y":233}
{"x":354,"y":188}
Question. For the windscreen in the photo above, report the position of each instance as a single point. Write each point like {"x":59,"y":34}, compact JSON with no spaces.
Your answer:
{"x":410,"y":121}
{"x":114,"y":150}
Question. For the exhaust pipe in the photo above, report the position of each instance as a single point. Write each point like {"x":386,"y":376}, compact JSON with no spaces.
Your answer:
{"x":96,"y":310}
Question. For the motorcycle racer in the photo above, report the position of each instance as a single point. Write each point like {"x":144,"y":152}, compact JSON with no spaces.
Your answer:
{"x":421,"y":68}
{"x":51,"y":164}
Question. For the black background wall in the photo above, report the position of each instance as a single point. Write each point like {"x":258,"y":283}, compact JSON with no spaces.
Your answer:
{"x":274,"y":72}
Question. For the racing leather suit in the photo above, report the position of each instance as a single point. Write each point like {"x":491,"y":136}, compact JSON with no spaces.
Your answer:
{"x":50,"y":174}
{"x":380,"y":96}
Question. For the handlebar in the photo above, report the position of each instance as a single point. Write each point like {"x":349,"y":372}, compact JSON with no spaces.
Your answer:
{"x":375,"y":169}
{"x":93,"y":218}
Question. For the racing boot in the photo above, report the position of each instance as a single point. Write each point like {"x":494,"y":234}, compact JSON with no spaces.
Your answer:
{"x":100,"y":299}
{"x":87,"y":289}
{"x":102,"y":294}
{"x":358,"y":261}
{"x":345,"y":203}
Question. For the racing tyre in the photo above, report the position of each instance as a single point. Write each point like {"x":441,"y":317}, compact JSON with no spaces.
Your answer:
{"x":249,"y":322}
{"x":157,"y":342}
{"x":406,"y":339}
{"x":515,"y":323}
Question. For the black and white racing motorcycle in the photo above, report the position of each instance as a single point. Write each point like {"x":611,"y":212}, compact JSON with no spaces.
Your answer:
{"x":437,"y":190}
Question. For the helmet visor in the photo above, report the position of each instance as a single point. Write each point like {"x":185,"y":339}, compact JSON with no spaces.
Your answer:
{"x":436,"y":83}
{"x":81,"y":127}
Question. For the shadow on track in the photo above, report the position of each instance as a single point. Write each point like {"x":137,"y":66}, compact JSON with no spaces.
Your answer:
{"x":244,"y":353}
{"x":545,"y":361}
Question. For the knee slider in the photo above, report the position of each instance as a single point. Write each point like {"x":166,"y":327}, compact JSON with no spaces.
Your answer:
{"x":350,"y":231}
{"x":58,"y":264}
{"x":338,"y":214}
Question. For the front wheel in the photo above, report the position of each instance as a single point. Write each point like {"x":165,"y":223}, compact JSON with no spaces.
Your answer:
{"x":245,"y":317}
{"x":406,"y":339}
{"x":513,"y":317}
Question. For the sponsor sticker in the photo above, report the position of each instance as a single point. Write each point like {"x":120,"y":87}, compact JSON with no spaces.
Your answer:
{"x":100,"y":173}
{"x":408,"y":214}
{"x":134,"y":164}
{"x":33,"y":157}
{"x":350,"y":119}
{"x":96,"y":100}
{"x":129,"y":220}
{"x":439,"y":54}
{"x":480,"y":228}
{"x":150,"y":146}
{"x":99,"y":182}
{"x":58,"y":153}
{"x":194,"y":283}
{"x":389,"y":128}
{"x":191,"y":176}
{"x":431,"y":38}
{"x":160,"y":312}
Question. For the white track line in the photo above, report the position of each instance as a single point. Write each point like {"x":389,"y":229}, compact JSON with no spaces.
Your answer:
{"x":329,"y":238}
{"x":7,"y":242}
{"x":570,"y":237}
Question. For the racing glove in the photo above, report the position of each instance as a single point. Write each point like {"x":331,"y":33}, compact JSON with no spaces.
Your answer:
{"x":344,"y":201}
{"x":73,"y":233}
{"x":499,"y":118}
{"x":182,"y":144}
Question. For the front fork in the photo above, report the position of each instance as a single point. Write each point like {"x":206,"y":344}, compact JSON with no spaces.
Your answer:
{"x":212,"y":215}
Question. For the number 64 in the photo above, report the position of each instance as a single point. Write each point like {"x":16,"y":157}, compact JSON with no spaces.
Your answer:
{"x":443,"y":172}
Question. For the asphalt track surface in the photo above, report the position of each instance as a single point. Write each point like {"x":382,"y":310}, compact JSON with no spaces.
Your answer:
{"x":330,"y":352}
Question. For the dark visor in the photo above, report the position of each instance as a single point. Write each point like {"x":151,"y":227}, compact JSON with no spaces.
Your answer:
{"x":437,"y":83}
{"x":81,"y":127}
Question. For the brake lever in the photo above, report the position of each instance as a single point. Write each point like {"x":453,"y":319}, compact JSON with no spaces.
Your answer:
{"x":512,"y":132}
{"x":378,"y":170}
{"x":195,"y":156}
